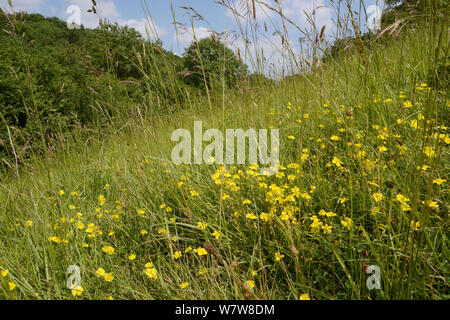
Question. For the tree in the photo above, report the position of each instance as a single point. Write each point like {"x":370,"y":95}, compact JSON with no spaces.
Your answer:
{"x":208,"y":60}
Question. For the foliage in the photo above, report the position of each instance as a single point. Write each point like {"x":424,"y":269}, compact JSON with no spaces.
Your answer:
{"x":53,"y":78}
{"x":208,"y":61}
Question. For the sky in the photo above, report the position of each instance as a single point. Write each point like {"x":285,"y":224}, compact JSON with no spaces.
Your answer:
{"x":215,"y":17}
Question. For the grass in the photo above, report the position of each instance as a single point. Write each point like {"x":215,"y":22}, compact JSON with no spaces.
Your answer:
{"x":364,"y":182}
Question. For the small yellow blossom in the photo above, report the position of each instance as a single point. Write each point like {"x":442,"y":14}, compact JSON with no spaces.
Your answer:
{"x":401,"y":198}
{"x":151,"y":272}
{"x":77,"y":291}
{"x":108,"y":249}
{"x":11,"y":286}
{"x":202,"y":225}
{"x":250,"y":284}
{"x":54,"y":239}
{"x":432,"y":204}
{"x":327,"y":229}
{"x":184,"y":285}
{"x":378,"y":197}
{"x":109,"y":277}
{"x":216,"y":234}
{"x":335,"y":138}
{"x":278,"y":256}
{"x":177,"y":255}
{"x":201,"y":251}
{"x":407,"y":104}
{"x":100,"y":272}
{"x":415,"y":225}
{"x":306,"y":196}
{"x":101,"y":200}
{"x":251,"y":216}
{"x":337,"y":162}
{"x":405,"y":207}
{"x":194,"y":193}
{"x":265,"y":217}
{"x":439,"y":181}
{"x":347,"y":223}
{"x":304,"y":296}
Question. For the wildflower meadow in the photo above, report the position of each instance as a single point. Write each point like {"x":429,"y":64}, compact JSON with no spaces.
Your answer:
{"x":93,"y":207}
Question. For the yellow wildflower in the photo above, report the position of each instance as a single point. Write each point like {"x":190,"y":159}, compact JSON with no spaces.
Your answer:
{"x":201,"y":251}
{"x":250,"y":284}
{"x":378,"y":196}
{"x":184,"y":285}
{"x":108,"y":249}
{"x":77,"y":291}
{"x":109,"y":277}
{"x":304,"y":296}
{"x":278,"y":256}
{"x":439,"y":181}
{"x":177,"y":255}
{"x":202,"y":225}
{"x":100,"y":272}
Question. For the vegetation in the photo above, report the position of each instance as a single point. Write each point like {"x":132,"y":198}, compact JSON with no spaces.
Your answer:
{"x":362,"y":181}
{"x":53,"y":78}
{"x":208,"y":60}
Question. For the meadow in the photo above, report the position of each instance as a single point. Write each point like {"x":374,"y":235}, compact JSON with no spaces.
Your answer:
{"x":362,"y":182}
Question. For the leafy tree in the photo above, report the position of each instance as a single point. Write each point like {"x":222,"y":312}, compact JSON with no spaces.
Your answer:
{"x":208,"y":60}
{"x":50,"y":76}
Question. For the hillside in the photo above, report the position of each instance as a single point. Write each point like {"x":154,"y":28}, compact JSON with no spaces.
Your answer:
{"x":54,"y":80}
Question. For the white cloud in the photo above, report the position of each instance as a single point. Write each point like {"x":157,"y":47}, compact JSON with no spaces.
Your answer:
{"x":267,"y":54}
{"x":22,"y":5}
{"x":142,"y":26}
{"x":294,"y":9}
{"x":242,"y":8}
{"x":186,"y":34}
{"x":320,"y":13}
{"x":106,"y":9}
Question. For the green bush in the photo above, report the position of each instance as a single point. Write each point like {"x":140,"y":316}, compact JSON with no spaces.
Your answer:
{"x":207,"y":61}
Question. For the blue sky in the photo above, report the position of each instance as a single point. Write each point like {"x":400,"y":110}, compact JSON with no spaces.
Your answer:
{"x":218,"y":18}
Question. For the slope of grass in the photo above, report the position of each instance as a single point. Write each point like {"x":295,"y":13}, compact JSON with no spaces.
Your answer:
{"x":363,"y":181}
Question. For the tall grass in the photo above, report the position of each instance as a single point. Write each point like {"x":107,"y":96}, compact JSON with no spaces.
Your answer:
{"x":364,"y":181}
